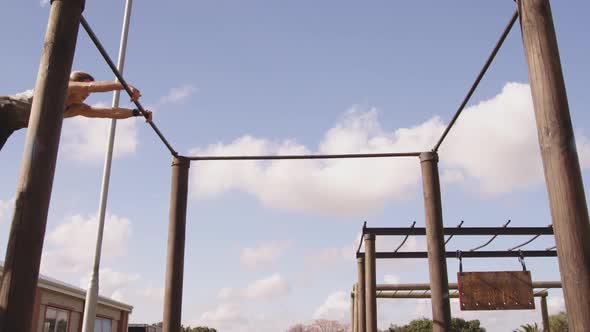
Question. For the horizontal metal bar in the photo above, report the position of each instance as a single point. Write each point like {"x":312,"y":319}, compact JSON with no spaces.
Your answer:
{"x":386,"y":295}
{"x":464,"y":254}
{"x":308,"y":156}
{"x":425,"y":286}
{"x":401,"y":231}
{"x":111,"y":64}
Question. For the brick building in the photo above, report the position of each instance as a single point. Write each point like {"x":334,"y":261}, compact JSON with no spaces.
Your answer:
{"x":59,"y":307}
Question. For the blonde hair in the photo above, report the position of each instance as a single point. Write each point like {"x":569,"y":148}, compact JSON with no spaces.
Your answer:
{"x":80,"y":76}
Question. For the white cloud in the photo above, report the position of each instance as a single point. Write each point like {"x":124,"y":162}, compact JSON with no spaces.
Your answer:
{"x":271,"y":287}
{"x":333,"y":255}
{"x":329,"y":186}
{"x":336,"y":307}
{"x":494,"y":143}
{"x":391,"y":279}
{"x":492,"y":149}
{"x":43,"y":3}
{"x":112,"y":283}
{"x":178,"y":94}
{"x":555,"y":304}
{"x":70,"y":245}
{"x":264,"y":253}
{"x":5,"y":208}
{"x":86,"y":139}
{"x":224,"y":316}
{"x":153,"y":293}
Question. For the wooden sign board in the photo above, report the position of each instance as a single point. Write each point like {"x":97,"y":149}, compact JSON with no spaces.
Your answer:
{"x":505,"y":290}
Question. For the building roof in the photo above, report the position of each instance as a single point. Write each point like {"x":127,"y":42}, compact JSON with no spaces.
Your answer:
{"x":55,"y":285}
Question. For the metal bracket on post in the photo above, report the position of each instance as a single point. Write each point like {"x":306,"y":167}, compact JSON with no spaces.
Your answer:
{"x":521,"y":260}
{"x":460,"y":258}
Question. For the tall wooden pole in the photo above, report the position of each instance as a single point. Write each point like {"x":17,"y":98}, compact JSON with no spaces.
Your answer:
{"x":360,"y":296}
{"x":352,"y":310}
{"x":176,"y":236}
{"x":545,"y":313}
{"x":370,"y":284}
{"x":560,"y":159}
{"x":355,"y":318}
{"x":33,"y":194}
{"x":437,"y":264}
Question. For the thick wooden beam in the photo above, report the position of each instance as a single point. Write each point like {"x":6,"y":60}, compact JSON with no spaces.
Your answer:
{"x":370,"y":284}
{"x":176,"y":240}
{"x":545,"y":313}
{"x":33,"y":194}
{"x":360,"y":297}
{"x":560,"y":159}
{"x":437,"y":264}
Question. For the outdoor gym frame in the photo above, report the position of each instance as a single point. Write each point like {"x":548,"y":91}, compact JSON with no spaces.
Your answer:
{"x":410,"y":291}
{"x":366,"y":285}
{"x":556,"y":138}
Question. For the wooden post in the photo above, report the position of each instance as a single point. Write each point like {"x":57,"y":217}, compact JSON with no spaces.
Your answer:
{"x":437,"y":264}
{"x":360,"y":286}
{"x":176,"y":236}
{"x":354,"y":327}
{"x":545,"y":313}
{"x":33,"y":194}
{"x":560,"y":159}
{"x":352,"y":310}
{"x":370,"y":284}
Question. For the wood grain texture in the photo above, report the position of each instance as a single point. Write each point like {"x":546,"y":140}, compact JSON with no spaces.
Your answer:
{"x":437,"y":263}
{"x":563,"y":178}
{"x":33,"y":194}
{"x":500,"y":290}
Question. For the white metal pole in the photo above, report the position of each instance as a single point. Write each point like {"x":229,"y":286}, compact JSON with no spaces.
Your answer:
{"x":92,"y":293}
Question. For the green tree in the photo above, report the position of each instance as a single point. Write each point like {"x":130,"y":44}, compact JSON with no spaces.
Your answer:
{"x":189,"y":328}
{"x":425,"y":325}
{"x":529,"y":328}
{"x":558,"y":322}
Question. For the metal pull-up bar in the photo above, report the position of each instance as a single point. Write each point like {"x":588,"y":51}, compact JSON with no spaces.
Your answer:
{"x":107,"y":58}
{"x":482,"y":72}
{"x":308,"y":156}
{"x":464,"y":254}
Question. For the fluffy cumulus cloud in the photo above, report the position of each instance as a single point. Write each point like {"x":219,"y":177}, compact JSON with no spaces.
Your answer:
{"x":113,"y":284}
{"x":492,"y":149}
{"x":328,"y":186}
{"x":271,"y":287}
{"x":225,"y":316}
{"x":86,"y":139}
{"x":264,"y":253}
{"x":336,"y":307}
{"x":70,"y":246}
{"x":178,"y":94}
{"x":494,"y":143}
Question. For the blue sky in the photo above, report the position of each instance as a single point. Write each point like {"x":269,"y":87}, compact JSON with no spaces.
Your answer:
{"x":269,"y":244}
